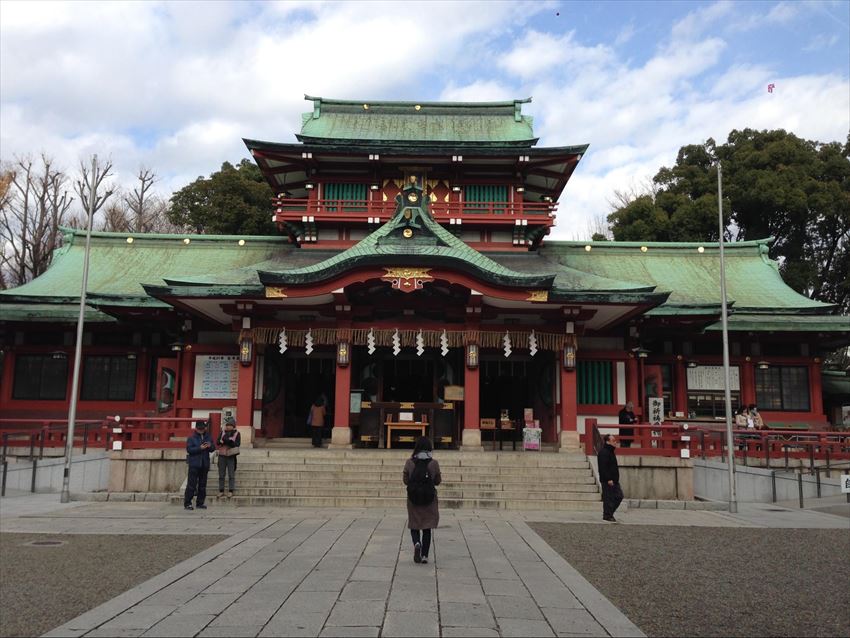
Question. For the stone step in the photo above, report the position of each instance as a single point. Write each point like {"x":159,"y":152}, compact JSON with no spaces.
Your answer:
{"x":453,"y":494}
{"x":318,"y":457}
{"x":581,"y":485}
{"x":400,"y":503}
{"x":505,"y":470}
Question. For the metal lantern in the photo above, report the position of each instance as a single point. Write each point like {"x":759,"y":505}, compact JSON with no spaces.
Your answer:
{"x":472,"y":355}
{"x":343,"y":350}
{"x":246,"y":349}
{"x":569,"y":356}
{"x":763,"y":365}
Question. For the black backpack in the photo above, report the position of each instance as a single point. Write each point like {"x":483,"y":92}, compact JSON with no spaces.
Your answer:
{"x":420,"y":485}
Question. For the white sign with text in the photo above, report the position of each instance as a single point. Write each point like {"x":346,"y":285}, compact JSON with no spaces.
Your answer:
{"x":711,"y":378}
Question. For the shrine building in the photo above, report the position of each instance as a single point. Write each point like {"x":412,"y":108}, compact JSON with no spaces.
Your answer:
{"x":413,"y":281}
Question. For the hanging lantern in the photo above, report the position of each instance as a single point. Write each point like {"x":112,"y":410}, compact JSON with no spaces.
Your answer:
{"x":569,"y":356}
{"x":472,"y":355}
{"x":343,"y":350}
{"x":246,"y":348}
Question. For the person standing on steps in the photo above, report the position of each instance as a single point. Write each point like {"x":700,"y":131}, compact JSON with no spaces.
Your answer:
{"x":609,"y":477}
{"x":316,"y":419}
{"x":421,"y":476}
{"x":627,"y":417}
{"x":228,"y":448}
{"x":199,"y":446}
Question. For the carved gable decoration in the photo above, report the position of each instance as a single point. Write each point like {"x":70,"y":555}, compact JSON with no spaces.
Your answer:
{"x":407,"y":279}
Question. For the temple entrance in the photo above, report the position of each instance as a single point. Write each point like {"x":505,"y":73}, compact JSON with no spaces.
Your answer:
{"x":518,"y":383}
{"x":407,"y":377}
{"x":292,"y":381}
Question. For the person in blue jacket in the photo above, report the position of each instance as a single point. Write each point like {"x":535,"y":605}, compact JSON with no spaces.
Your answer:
{"x":199,"y":446}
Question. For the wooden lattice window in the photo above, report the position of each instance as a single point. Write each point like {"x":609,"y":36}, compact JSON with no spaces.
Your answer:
{"x":346,"y":192}
{"x":595,"y":382}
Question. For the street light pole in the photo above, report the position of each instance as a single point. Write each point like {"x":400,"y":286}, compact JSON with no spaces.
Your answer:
{"x":730,"y":450}
{"x":75,"y":383}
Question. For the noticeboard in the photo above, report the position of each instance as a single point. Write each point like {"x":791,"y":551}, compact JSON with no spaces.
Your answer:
{"x":711,"y":378}
{"x":216,"y":376}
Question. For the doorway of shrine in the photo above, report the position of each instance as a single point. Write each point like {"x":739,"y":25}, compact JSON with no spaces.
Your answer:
{"x":405,"y":378}
{"x":512,"y":386}
{"x":291,"y":383}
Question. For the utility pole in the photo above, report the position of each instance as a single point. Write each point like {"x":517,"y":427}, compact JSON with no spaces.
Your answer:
{"x":75,"y":383}
{"x":730,"y":443}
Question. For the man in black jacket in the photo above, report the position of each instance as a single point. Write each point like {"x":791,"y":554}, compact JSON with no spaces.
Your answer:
{"x":609,"y":476}
{"x":199,"y":446}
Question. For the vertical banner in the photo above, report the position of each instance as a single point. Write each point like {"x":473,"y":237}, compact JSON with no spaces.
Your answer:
{"x":656,"y":410}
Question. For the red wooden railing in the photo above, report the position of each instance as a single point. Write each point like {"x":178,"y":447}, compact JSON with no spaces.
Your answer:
{"x":763,"y":445}
{"x":144,"y":433}
{"x":36,"y":435}
{"x":334,"y":208}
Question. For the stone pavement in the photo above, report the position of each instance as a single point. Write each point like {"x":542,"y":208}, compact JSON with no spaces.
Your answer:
{"x":349,"y":572}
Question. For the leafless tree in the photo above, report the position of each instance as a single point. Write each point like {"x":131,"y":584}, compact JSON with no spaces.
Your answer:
{"x":33,"y":205}
{"x":621,"y":198}
{"x":102,"y":190}
{"x":140,"y":211}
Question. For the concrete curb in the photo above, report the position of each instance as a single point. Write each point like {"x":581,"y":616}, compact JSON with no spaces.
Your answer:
{"x":642,"y":503}
{"x":93,"y":618}
{"x":603,"y":610}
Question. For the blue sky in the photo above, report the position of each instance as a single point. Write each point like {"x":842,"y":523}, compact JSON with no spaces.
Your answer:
{"x":175,"y":86}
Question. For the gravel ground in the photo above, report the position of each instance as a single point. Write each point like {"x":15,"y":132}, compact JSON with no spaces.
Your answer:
{"x":44,"y":587}
{"x":713,"y":581}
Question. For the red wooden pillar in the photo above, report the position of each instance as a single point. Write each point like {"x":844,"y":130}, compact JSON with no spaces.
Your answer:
{"x":341,"y":397}
{"x":471,"y":435}
{"x":245,"y":394}
{"x":569,"y":410}
{"x":143,"y":361}
{"x":185,"y":363}
{"x":748,"y":383}
{"x":816,"y":386}
{"x":680,"y":386}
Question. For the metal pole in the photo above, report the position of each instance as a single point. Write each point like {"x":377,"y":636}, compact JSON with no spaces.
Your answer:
{"x":72,"y":410}
{"x":733,"y":499}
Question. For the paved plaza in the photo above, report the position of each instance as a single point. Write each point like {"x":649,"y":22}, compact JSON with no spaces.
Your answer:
{"x":315,"y":572}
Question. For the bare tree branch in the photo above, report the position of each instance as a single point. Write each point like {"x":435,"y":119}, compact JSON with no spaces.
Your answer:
{"x":34,"y":202}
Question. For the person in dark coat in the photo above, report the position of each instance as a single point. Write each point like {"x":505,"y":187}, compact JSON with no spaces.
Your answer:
{"x":627,"y":417}
{"x":609,"y":477}
{"x":421,"y":519}
{"x":199,"y":446}
{"x":228,"y":447}
{"x":317,"y":419}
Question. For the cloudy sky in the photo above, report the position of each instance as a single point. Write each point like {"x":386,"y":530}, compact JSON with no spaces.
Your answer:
{"x":174,"y":86}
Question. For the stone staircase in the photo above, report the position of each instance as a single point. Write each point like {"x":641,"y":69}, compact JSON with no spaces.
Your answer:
{"x":372,"y":478}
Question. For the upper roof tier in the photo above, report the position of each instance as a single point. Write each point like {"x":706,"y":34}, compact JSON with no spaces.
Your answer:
{"x":350,"y":121}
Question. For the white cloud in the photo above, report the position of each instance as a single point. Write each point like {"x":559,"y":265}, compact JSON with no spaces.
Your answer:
{"x":821,"y":41}
{"x":175,"y":86}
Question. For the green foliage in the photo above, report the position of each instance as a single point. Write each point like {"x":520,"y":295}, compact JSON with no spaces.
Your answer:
{"x":233,"y":201}
{"x":774,"y":184}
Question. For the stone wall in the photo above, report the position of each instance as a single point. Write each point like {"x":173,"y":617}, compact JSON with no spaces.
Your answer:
{"x":147,"y":470}
{"x":654,"y":477}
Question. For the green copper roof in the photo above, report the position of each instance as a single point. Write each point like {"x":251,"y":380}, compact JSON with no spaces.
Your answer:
{"x":119,"y":269}
{"x":753,"y":281}
{"x":785,"y":323}
{"x":429,"y":245}
{"x":420,"y":122}
{"x":62,"y":313}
